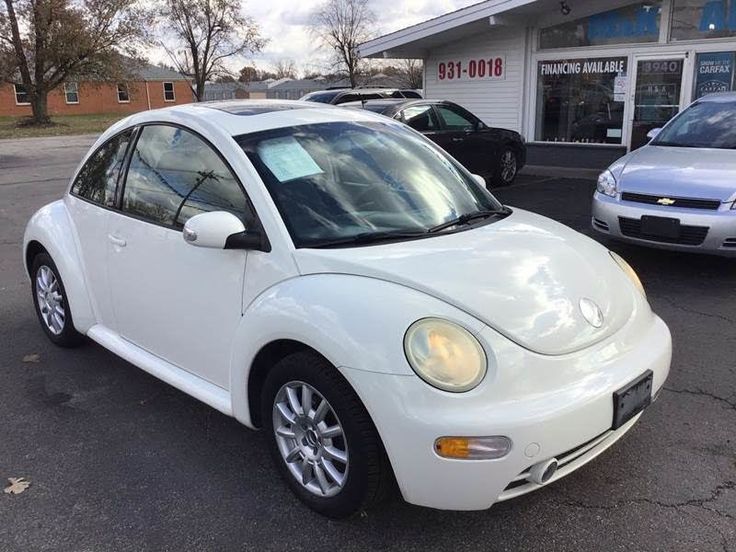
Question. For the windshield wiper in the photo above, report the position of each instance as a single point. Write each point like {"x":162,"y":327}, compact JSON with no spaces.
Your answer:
{"x":370,"y":237}
{"x":466,"y":218}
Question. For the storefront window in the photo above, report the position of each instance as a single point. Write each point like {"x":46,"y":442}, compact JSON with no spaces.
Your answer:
{"x":713,"y":73}
{"x":695,"y":19}
{"x":631,"y":24}
{"x":581,"y":100}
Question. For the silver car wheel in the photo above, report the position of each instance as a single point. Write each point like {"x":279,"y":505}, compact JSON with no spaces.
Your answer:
{"x":508,"y":166}
{"x":50,"y":300}
{"x":311,"y":439}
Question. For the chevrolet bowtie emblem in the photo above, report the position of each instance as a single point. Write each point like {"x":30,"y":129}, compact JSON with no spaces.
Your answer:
{"x":665,"y":201}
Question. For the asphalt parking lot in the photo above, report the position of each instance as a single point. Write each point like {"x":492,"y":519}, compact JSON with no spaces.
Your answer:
{"x":118,"y":460}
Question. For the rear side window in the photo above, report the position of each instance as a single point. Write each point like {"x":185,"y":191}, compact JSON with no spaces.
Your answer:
{"x":98,"y":178}
{"x":420,"y":117}
{"x":456,"y":118}
{"x":174,"y":175}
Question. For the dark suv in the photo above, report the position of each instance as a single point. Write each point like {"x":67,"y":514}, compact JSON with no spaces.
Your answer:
{"x":344,"y":95}
{"x":494,"y":153}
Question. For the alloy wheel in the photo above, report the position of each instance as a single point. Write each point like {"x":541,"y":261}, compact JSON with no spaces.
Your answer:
{"x":508,"y":166}
{"x":50,"y":300}
{"x":311,"y":439}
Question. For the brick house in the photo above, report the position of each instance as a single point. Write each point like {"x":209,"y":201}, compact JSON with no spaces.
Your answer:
{"x":149,"y":88}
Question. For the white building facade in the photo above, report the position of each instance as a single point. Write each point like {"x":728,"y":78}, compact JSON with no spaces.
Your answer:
{"x":583,"y":81}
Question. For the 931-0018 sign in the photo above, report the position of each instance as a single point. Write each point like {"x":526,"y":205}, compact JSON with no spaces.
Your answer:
{"x":476,"y":68}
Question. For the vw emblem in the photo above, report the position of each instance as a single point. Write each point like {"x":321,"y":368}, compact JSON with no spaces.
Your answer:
{"x":591,"y":312}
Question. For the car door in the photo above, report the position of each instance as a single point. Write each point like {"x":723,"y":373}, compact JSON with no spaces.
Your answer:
{"x":91,"y":197}
{"x":467,"y":139}
{"x":176,"y":301}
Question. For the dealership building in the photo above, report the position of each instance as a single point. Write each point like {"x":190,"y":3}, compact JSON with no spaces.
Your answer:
{"x":583,"y":81}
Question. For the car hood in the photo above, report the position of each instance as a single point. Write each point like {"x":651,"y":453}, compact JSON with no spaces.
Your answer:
{"x":681,"y":172}
{"x":524,"y":276}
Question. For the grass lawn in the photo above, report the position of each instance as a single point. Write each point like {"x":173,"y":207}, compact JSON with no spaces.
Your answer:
{"x":65,"y":125}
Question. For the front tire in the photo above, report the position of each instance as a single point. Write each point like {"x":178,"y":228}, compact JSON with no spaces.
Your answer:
{"x":322,"y":439}
{"x":508,"y":167}
{"x":51,"y":302}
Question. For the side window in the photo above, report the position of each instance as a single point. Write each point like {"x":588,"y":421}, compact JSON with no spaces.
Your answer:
{"x":456,"y":119}
{"x":169,"y":92}
{"x":420,"y":117}
{"x":174,"y":175}
{"x":98,"y":177}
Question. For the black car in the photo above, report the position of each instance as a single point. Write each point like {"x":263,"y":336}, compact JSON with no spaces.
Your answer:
{"x":345,"y":95}
{"x":494,"y":153}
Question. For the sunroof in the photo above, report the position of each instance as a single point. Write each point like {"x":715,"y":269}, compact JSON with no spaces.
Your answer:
{"x":246,"y":108}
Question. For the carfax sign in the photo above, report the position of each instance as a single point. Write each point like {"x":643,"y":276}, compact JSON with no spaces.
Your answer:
{"x":714,"y":73}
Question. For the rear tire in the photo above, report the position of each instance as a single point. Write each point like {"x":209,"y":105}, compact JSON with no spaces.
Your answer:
{"x":508,"y":167}
{"x":51,"y":303}
{"x":329,"y":454}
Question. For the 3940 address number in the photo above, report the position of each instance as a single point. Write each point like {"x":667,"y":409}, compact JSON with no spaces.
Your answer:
{"x":479,"y":68}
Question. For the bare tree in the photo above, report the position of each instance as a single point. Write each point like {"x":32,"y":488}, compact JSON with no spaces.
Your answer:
{"x":341,"y":25}
{"x":412,"y":73}
{"x":285,"y":69}
{"x":44,"y":43}
{"x":202,"y":34}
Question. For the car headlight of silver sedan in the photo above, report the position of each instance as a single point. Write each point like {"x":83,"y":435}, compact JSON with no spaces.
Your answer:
{"x":607,"y":184}
{"x":445,"y":355}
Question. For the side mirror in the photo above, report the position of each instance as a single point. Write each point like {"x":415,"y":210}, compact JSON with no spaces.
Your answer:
{"x":652,"y":134}
{"x":480,"y":180}
{"x":217,"y":230}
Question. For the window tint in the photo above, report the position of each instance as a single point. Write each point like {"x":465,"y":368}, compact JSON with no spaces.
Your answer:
{"x":174,"y":175}
{"x":456,"y":119}
{"x":420,"y":117}
{"x":97,"y":180}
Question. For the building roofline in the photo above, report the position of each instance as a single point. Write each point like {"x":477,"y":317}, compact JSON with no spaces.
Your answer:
{"x":457,"y":18}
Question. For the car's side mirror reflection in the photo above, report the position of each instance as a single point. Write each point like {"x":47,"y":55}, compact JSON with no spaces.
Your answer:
{"x":220,"y":230}
{"x":480,"y":180}
{"x":652,"y":134}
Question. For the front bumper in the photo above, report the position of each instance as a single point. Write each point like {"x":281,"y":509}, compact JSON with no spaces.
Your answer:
{"x":704,"y":231}
{"x":549,"y":407}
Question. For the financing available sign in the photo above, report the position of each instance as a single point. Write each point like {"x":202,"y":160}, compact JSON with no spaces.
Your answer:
{"x":714,"y":73}
{"x":583,"y":66}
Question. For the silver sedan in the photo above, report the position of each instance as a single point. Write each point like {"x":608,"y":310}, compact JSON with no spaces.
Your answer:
{"x":679,"y":191}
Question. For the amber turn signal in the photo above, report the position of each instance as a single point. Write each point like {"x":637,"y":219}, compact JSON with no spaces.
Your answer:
{"x":473,"y":448}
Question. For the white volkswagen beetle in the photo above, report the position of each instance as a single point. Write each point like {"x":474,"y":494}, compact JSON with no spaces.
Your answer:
{"x":336,"y":279}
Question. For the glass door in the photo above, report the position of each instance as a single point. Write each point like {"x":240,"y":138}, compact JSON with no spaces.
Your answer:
{"x":657,"y":95}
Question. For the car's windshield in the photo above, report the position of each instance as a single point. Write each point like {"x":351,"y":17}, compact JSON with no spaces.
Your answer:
{"x":708,"y":124}
{"x":333,"y":181}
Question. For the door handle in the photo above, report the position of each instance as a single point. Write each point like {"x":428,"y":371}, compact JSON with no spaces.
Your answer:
{"x":120,"y":242}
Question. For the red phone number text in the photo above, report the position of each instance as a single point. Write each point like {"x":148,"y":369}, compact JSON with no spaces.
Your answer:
{"x":473,"y":69}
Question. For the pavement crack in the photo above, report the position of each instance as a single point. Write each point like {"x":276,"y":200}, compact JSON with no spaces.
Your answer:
{"x":701,"y":503}
{"x":689,"y":310}
{"x":730,"y":402}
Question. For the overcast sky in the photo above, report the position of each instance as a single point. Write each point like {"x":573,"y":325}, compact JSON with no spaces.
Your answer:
{"x":284,"y":22}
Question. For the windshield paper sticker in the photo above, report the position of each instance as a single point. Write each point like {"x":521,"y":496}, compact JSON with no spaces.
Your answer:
{"x":287,"y":159}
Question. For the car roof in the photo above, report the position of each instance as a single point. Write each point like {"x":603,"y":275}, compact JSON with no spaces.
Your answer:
{"x":392,"y":105}
{"x":237,"y":117}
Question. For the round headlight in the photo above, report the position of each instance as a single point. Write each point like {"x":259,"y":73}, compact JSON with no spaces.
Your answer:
{"x":445,"y":355}
{"x":630,"y":272}
{"x":607,"y":184}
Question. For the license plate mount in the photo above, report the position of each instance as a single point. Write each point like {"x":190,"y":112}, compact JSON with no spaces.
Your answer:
{"x":660,"y":227}
{"x":631,"y":399}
